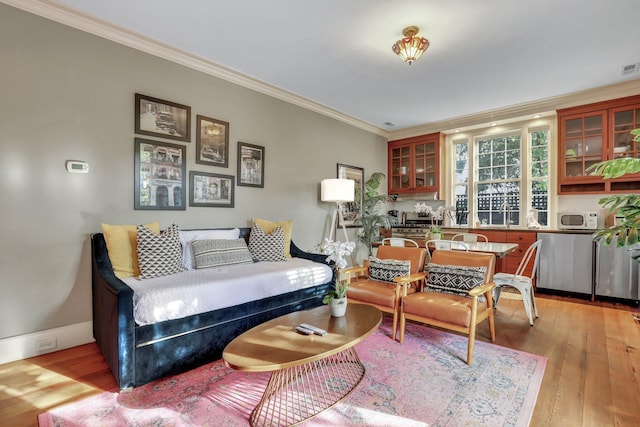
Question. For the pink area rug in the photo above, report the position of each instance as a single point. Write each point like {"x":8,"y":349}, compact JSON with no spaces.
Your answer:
{"x":423,"y":382}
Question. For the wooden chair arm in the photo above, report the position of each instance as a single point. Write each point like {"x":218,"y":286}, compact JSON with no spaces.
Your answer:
{"x":357,"y":270}
{"x":403,"y":280}
{"x":482,"y":289}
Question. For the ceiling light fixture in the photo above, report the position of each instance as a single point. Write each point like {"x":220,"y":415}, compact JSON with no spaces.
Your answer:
{"x":410,"y":47}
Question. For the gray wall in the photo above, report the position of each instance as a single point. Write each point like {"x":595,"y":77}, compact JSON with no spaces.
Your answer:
{"x":67,"y":95}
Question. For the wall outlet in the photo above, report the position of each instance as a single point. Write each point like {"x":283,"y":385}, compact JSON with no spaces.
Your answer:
{"x":46,"y":344}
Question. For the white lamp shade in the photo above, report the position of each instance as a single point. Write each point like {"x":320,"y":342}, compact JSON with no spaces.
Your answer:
{"x":337,"y":190}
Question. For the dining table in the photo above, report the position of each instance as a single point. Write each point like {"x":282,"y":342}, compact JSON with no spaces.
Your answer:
{"x":499,"y":249}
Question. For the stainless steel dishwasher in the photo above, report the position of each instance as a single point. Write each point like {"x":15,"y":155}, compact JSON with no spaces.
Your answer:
{"x":566,"y":263}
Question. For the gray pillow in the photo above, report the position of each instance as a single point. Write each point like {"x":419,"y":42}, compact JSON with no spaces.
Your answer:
{"x":217,"y":252}
{"x":454,"y":279}
{"x":159,"y":254}
{"x":385,"y":270}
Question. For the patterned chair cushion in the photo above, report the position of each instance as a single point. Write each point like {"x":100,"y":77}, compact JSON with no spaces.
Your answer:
{"x":159,"y":254}
{"x":454,"y":279}
{"x":217,"y":252}
{"x":385,"y":270}
{"x":267,"y":247}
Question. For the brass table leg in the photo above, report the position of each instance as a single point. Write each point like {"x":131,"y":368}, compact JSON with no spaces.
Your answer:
{"x":298,"y":393}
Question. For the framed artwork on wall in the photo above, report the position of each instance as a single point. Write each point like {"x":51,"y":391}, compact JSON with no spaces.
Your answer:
{"x":250,"y":165}
{"x":351,"y":210}
{"x":160,"y":170}
{"x":163,"y":119}
{"x":212,"y":142}
{"x":211,"y":189}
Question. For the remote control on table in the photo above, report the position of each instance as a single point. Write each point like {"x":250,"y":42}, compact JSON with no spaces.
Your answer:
{"x":302,"y":330}
{"x":314,"y":329}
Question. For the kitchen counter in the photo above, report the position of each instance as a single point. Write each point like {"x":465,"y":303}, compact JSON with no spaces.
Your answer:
{"x":513,"y":229}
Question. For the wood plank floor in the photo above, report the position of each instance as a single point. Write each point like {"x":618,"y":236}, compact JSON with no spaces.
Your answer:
{"x":592,"y":376}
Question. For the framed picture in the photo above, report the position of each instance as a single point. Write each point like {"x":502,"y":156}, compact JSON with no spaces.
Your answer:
{"x":211,"y":189}
{"x":212,"y":142}
{"x":160,"y":170}
{"x":351,"y":210}
{"x":164,"y":119}
{"x":250,"y":165}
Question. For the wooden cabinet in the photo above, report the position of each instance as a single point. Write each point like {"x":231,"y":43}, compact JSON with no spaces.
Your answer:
{"x":414,"y":164}
{"x":524,"y":239}
{"x":593,"y":133}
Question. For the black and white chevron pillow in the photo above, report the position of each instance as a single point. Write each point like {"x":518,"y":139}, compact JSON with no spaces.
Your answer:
{"x":159,"y":254}
{"x":267,"y":247}
{"x":385,"y":270}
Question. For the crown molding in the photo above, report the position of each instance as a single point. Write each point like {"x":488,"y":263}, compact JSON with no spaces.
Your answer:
{"x":518,"y":112}
{"x":70,"y":17}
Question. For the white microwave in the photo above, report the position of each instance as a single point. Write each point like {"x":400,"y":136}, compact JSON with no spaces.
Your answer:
{"x":578,"y":220}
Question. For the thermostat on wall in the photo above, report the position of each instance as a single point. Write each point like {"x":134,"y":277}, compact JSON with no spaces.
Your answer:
{"x":77,"y":166}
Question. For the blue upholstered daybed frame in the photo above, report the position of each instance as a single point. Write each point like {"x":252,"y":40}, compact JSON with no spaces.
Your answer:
{"x":140,"y":354}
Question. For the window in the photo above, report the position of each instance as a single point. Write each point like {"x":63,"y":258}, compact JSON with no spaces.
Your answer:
{"x":492,"y":185}
{"x":498,"y":201}
{"x":540,"y":175}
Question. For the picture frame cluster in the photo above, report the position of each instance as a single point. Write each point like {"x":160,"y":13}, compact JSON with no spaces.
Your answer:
{"x":160,"y":167}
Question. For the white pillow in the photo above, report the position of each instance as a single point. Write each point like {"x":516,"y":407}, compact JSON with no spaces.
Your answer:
{"x":187,"y":236}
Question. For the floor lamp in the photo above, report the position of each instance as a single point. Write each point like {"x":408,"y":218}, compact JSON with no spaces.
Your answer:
{"x":337,"y":191}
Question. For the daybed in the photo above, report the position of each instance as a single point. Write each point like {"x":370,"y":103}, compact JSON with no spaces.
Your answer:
{"x":138,"y":354}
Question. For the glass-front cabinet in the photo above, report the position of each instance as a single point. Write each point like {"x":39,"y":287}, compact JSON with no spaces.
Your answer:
{"x":593,"y":133}
{"x":414,"y":164}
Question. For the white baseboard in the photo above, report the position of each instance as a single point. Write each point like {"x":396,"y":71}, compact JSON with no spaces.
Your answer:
{"x":37,"y":343}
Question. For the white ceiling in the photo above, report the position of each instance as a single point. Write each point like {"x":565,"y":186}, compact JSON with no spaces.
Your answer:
{"x":336,"y":54}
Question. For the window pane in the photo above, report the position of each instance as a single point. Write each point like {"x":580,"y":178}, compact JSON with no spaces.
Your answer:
{"x":462,"y":182}
{"x":540,"y":175}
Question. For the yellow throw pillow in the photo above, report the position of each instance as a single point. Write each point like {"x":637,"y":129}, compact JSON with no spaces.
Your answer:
{"x":269,"y":226}
{"x":122,"y":244}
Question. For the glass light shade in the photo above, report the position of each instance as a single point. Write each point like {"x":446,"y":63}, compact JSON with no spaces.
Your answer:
{"x":337,"y":190}
{"x":410,"y":48}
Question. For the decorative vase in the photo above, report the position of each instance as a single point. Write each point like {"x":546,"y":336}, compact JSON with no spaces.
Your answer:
{"x":338,"y":307}
{"x":436,"y":236}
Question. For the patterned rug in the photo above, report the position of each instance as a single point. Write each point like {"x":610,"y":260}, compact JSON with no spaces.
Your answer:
{"x":423,"y":382}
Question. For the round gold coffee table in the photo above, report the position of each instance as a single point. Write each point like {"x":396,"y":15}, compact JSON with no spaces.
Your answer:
{"x":310,"y":373}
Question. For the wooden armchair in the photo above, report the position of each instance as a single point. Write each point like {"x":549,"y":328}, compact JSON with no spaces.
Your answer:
{"x":383,"y":283}
{"x":460,"y":311}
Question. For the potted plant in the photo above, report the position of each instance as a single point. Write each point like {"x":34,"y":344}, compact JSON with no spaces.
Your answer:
{"x":337,"y":297}
{"x":627,"y":205}
{"x":372,"y":214}
{"x":435,"y":233}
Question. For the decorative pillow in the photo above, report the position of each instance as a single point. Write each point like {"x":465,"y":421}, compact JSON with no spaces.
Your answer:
{"x":122,"y":245}
{"x":385,"y":270}
{"x":213,"y":253}
{"x":186,"y":237}
{"x":159,"y":255}
{"x":267,"y":247}
{"x":454,"y":279}
{"x":270,"y":226}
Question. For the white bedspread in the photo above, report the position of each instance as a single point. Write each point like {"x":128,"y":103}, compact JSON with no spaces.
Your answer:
{"x":198,"y":291}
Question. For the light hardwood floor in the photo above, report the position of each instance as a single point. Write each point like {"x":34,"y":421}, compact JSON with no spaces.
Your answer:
{"x":592,"y":376}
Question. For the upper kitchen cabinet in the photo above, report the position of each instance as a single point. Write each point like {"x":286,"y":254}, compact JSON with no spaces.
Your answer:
{"x":414,"y":164}
{"x":593,"y":133}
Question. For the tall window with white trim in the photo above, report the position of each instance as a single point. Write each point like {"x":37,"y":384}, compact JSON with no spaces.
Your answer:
{"x":462,"y":180}
{"x":540,"y":174}
{"x":501,"y":178}
{"x":498,"y":201}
